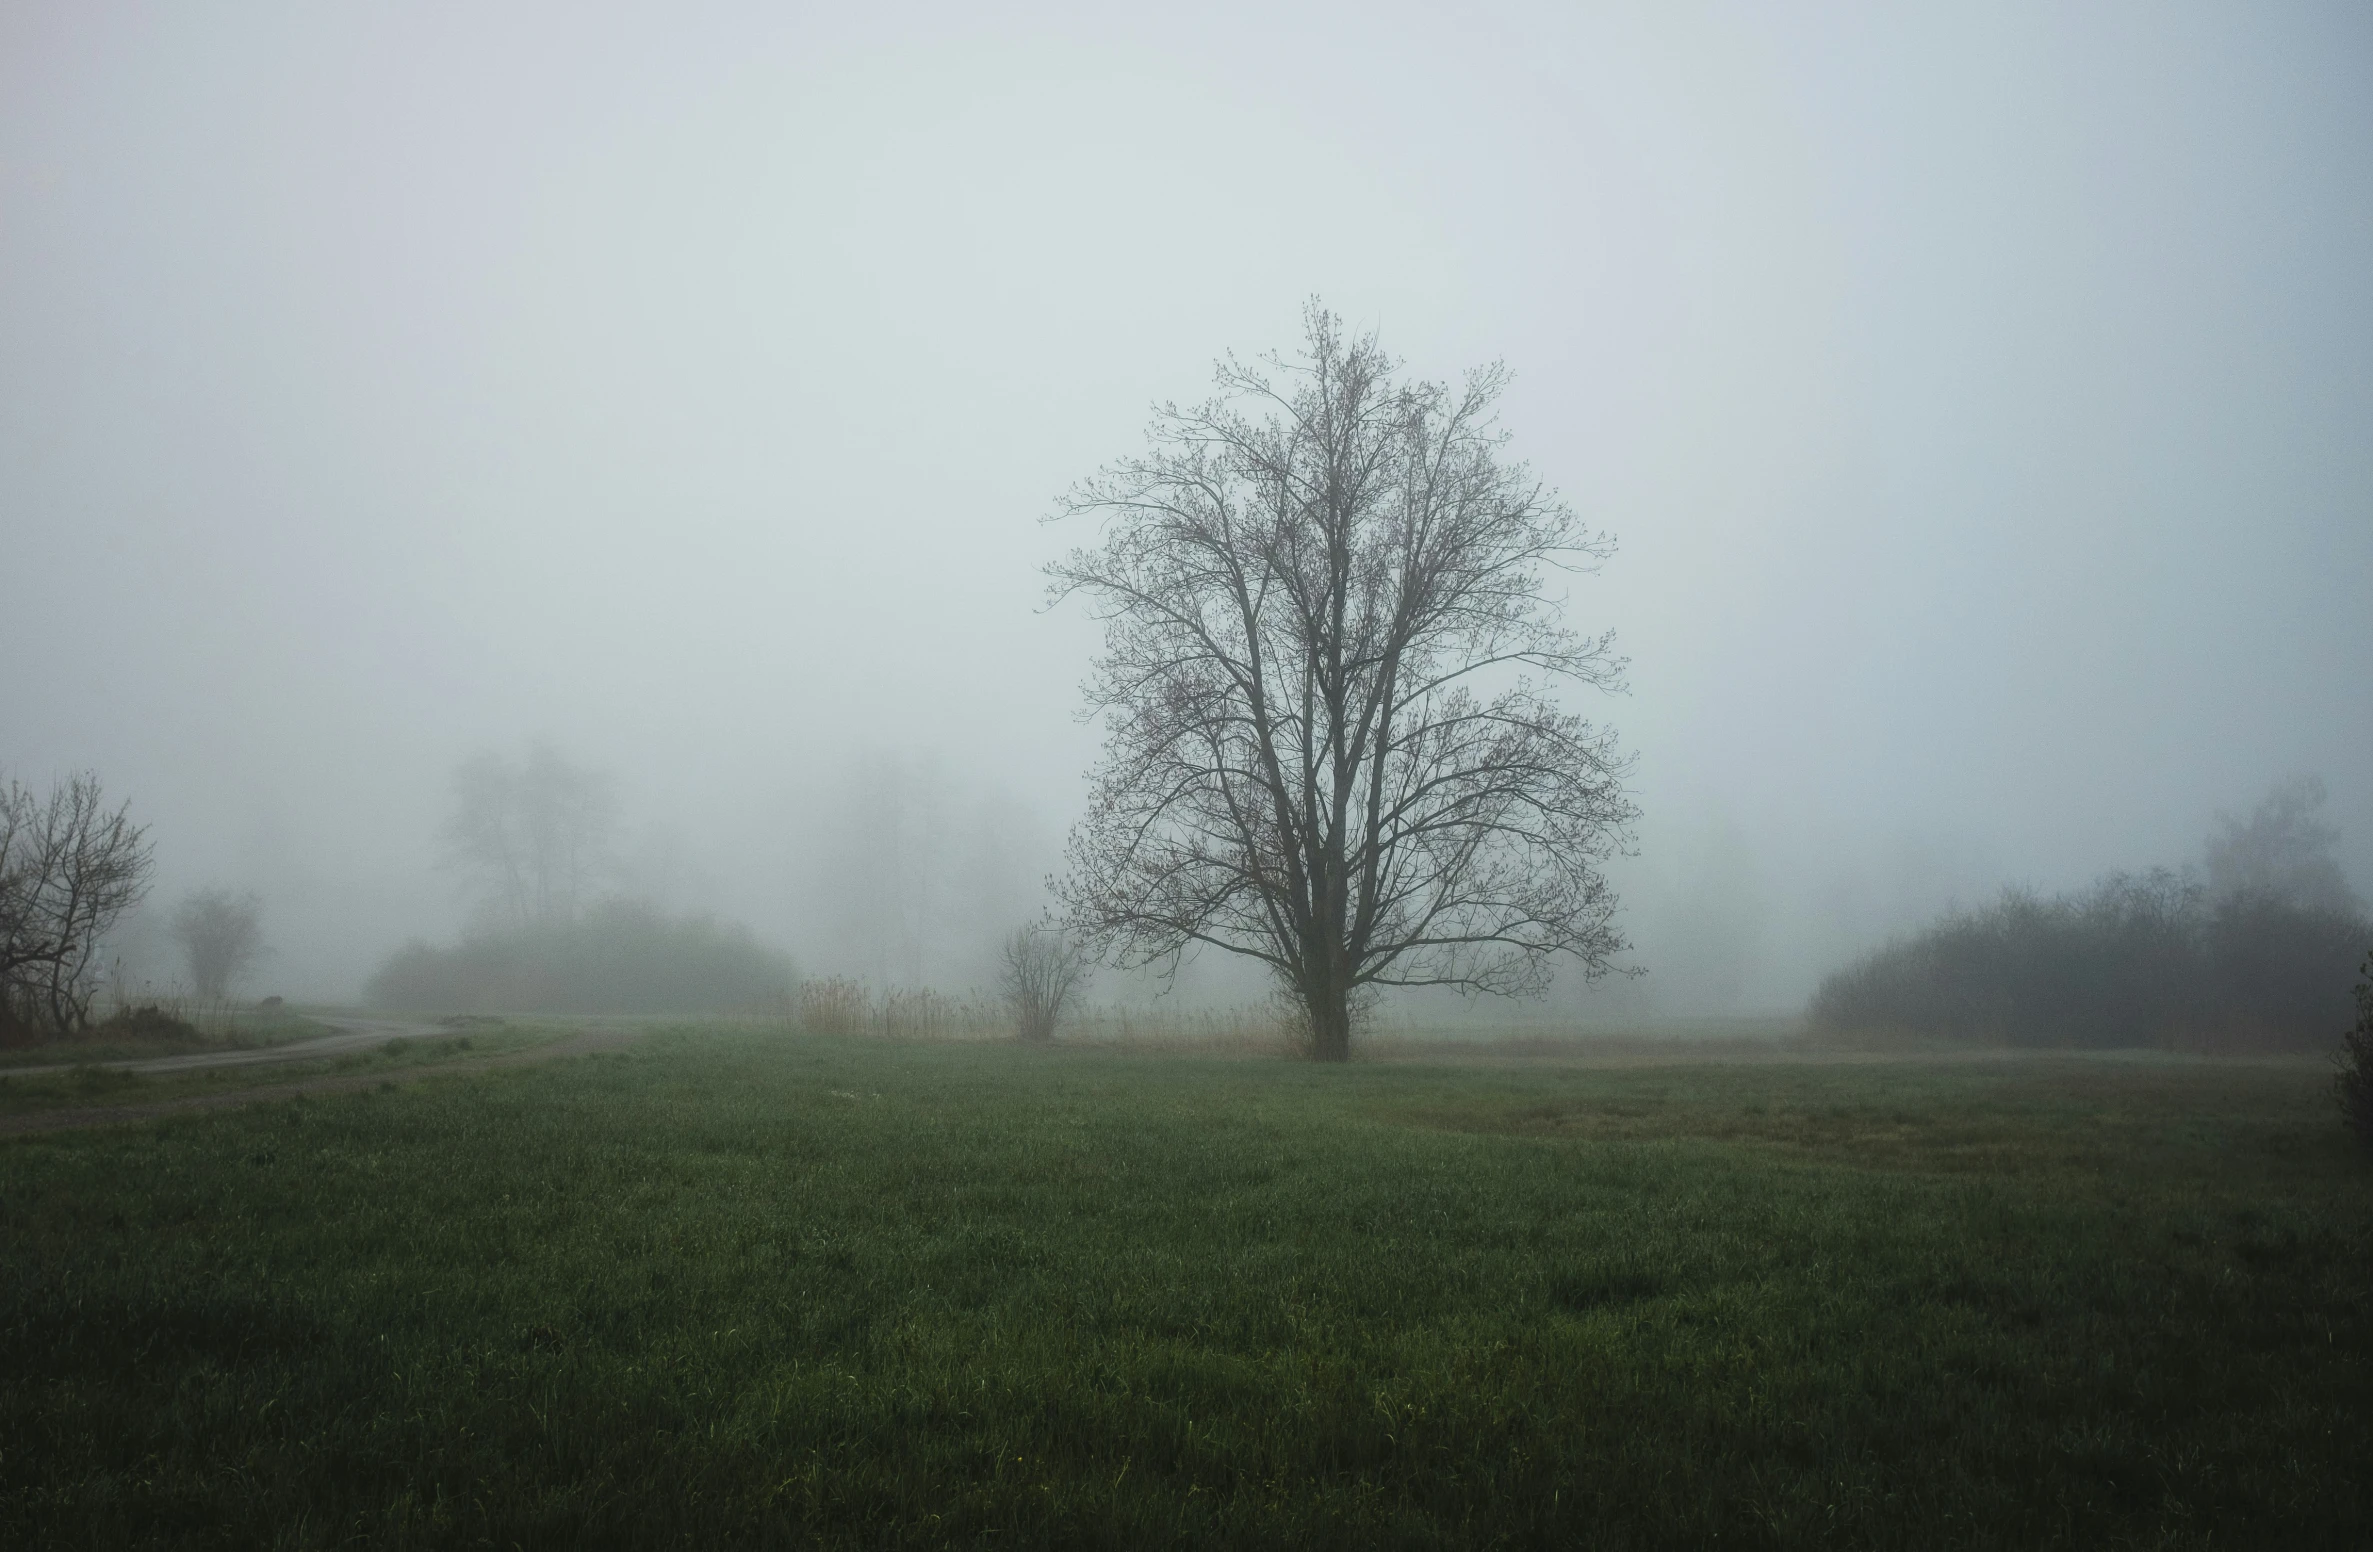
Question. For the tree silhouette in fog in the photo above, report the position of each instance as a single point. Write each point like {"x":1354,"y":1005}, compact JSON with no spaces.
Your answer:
{"x":2284,"y":852}
{"x":531,"y":837}
{"x":1330,"y":647}
{"x":221,"y":936}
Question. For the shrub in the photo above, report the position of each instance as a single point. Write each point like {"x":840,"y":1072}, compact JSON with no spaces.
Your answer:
{"x":2354,"y":1081}
{"x":620,"y":957}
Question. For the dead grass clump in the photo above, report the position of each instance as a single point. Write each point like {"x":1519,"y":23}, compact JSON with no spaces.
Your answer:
{"x":838,"y":1006}
{"x":150,"y":1021}
{"x":833,"y":1006}
{"x":1261,"y":1030}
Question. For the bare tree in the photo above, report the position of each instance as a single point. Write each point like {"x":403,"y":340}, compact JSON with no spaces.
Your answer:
{"x":531,"y":836}
{"x":1330,"y":739}
{"x":1040,"y":969}
{"x":221,"y":935}
{"x":69,"y":868}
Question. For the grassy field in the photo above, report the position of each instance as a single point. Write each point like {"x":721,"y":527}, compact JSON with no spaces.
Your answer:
{"x":732,"y":1289}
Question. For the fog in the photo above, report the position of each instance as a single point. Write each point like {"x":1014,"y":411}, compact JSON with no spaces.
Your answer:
{"x":1981,"y":402}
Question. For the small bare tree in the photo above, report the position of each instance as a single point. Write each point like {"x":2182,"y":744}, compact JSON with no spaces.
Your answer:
{"x":221,"y":935}
{"x":1040,"y":969}
{"x":69,"y":868}
{"x":1329,"y":651}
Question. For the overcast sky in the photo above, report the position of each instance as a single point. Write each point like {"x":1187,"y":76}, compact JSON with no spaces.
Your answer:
{"x":1982,"y":397}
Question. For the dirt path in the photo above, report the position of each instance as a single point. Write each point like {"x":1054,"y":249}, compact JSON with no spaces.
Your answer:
{"x":352,"y":1034}
{"x":30,"y":1122}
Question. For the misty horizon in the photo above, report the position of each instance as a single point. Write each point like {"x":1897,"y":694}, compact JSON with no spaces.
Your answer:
{"x":1977,"y":402}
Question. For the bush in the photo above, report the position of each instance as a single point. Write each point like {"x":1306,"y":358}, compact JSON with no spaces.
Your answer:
{"x":2139,"y":960}
{"x":2354,"y":1081}
{"x":619,"y":957}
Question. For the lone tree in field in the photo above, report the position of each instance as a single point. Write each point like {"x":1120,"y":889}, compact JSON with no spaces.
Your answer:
{"x":69,"y":867}
{"x":1331,"y":742}
{"x":1038,"y":970}
{"x":221,"y":935}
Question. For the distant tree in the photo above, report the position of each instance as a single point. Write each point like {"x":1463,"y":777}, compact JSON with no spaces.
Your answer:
{"x":1041,"y":968}
{"x":2354,"y":1081}
{"x":1330,"y":742}
{"x":69,"y":868}
{"x":532,"y":837}
{"x":2282,"y":853}
{"x":221,"y":936}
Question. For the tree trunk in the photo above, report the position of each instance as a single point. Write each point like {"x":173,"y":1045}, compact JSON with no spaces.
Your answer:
{"x":1330,"y":1023}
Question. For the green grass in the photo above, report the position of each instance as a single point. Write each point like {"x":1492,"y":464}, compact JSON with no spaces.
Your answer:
{"x":733,"y":1290}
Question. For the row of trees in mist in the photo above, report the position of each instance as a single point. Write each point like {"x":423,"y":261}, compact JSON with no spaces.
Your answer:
{"x":614,"y":956}
{"x":532,"y":841}
{"x":562,"y":918}
{"x":1335,"y":749}
{"x":1331,"y":744}
{"x":2251,"y":949}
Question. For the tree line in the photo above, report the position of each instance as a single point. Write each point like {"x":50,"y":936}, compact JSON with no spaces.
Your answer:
{"x":2250,"y":949}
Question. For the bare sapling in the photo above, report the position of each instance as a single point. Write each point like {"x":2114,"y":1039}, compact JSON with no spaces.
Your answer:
{"x":1041,"y":968}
